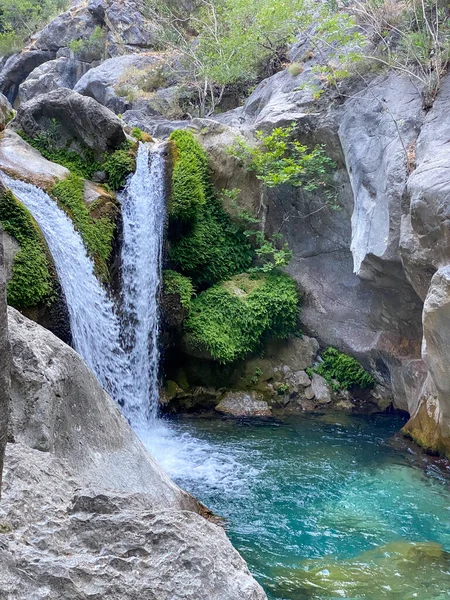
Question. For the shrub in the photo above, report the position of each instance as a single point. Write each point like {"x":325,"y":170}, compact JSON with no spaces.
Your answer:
{"x":205,"y":244}
{"x":32,"y":280}
{"x":119,"y":164}
{"x":97,"y":234}
{"x":81,"y":163}
{"x":92,"y":48}
{"x":176,"y":284}
{"x":343,"y":371}
{"x":230,"y":320}
{"x":281,"y":159}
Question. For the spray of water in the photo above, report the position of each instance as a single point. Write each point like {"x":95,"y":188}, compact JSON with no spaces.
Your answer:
{"x":143,"y":212}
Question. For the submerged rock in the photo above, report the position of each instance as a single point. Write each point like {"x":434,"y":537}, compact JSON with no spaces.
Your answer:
{"x":242,"y":404}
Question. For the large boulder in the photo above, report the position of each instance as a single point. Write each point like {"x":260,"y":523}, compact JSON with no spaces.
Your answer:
{"x":243,"y":404}
{"x":61,"y":539}
{"x":78,"y":117}
{"x":103,"y":83}
{"x":59,"y":407}
{"x":17,"y":68}
{"x":87,"y":512}
{"x":59,"y":73}
{"x":5,"y":357}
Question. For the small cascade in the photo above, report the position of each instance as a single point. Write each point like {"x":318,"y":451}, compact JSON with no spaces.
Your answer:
{"x":143,"y":212}
{"x":94,"y":324}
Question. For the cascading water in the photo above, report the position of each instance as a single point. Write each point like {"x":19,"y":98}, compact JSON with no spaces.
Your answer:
{"x":94,"y":324}
{"x":143,"y":212}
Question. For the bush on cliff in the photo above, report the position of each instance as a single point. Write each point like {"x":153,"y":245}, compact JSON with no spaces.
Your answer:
{"x":342,"y":371}
{"x":230,"y":320}
{"x":205,"y":244}
{"x":32,"y":280}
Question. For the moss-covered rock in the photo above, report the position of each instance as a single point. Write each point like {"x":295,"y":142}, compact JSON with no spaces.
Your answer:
{"x":96,"y":223}
{"x":229,"y":320}
{"x":32,"y":281}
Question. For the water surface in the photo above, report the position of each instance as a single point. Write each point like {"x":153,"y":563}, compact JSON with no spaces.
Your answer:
{"x":320,"y":507}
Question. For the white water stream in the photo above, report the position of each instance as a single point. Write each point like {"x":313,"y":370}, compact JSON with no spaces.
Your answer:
{"x":122,"y":350}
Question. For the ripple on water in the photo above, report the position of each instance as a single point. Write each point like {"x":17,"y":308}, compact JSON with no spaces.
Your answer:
{"x":320,"y":509}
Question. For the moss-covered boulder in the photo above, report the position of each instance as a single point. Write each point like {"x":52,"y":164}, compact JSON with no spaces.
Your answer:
{"x":230,"y":320}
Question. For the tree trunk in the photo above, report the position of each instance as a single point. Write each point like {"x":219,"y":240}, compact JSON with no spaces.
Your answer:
{"x":4,"y":361}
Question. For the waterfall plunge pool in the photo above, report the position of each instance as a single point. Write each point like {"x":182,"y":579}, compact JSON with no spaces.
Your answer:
{"x":321,"y":508}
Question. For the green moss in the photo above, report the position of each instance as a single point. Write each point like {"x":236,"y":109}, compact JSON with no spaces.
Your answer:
{"x":141,"y":136}
{"x":230,"y":320}
{"x":179,"y":285}
{"x":119,"y":164}
{"x":205,"y":244}
{"x":342,"y":371}
{"x":81,"y":163}
{"x":32,"y":280}
{"x":97,"y":233}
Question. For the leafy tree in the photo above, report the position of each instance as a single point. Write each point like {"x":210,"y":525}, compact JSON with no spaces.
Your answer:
{"x":21,"y":18}
{"x":226,"y":42}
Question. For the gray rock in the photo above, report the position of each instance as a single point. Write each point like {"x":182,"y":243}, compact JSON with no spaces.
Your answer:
{"x":24,"y":162}
{"x":156,"y":126}
{"x":309,"y":393}
{"x":76,"y":23}
{"x":18,"y":67}
{"x":99,"y":83}
{"x":10,"y":249}
{"x":296,"y":353}
{"x":6,"y":111}
{"x":128,"y":26}
{"x":79,"y":117}
{"x":60,"y":539}
{"x":97,"y":8}
{"x":321,"y":389}
{"x":57,"y":406}
{"x":58,"y":73}
{"x":5,"y":361}
{"x":243,"y":404}
{"x":299,"y":379}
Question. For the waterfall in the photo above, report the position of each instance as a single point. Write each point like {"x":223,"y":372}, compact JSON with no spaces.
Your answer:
{"x":143,"y":212}
{"x":93,"y":321}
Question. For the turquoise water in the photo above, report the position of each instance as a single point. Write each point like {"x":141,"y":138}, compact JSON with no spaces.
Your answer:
{"x":320,"y":507}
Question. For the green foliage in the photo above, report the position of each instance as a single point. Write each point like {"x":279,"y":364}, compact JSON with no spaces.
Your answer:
{"x":92,"y":48}
{"x":97,"y":234}
{"x":21,"y":18}
{"x":281,"y":159}
{"x":140,"y":136}
{"x":32,"y":281}
{"x":81,"y":163}
{"x":342,"y":371}
{"x":119,"y":164}
{"x":190,"y":177}
{"x":179,"y":285}
{"x":229,"y":320}
{"x":205,"y":244}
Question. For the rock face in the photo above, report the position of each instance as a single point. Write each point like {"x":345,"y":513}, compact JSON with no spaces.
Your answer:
{"x":55,"y":397}
{"x":240,"y":404}
{"x":62,"y":540}
{"x":4,"y":361}
{"x":86,"y":510}
{"x":78,"y":117}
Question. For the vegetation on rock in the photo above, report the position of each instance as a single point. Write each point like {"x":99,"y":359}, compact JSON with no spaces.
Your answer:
{"x":119,"y":164}
{"x":176,"y":284}
{"x":342,"y":371}
{"x":205,"y":244}
{"x":92,"y":48}
{"x":229,"y":320}
{"x":97,"y":233}
{"x":279,"y":159}
{"x":32,"y":280}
